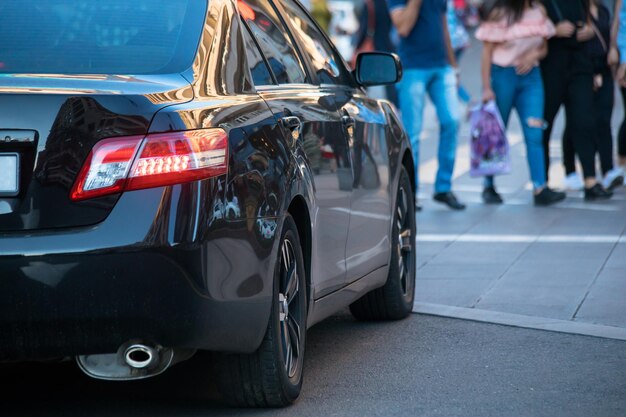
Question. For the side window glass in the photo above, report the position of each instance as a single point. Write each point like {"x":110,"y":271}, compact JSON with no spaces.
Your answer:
{"x":258,"y":67}
{"x":273,"y":40}
{"x":328,"y":67}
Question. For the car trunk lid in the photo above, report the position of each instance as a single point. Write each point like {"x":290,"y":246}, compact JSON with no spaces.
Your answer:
{"x":49,"y":124}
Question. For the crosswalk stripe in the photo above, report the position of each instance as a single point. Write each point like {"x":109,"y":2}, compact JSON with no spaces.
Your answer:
{"x":510,"y":238}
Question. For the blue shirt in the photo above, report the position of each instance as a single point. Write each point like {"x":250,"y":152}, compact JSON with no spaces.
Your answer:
{"x":621,"y":35}
{"x":425,"y":46}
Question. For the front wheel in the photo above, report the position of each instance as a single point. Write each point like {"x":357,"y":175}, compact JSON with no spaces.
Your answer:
{"x":394,"y":300}
{"x":272,"y":376}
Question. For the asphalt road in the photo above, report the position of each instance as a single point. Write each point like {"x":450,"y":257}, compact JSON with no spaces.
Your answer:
{"x":422,"y":366}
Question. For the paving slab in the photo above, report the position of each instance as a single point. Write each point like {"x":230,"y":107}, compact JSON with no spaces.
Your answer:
{"x":617,"y":259}
{"x":606,"y":301}
{"x":549,"y":301}
{"x":483,"y":254}
{"x":462,"y":271}
{"x":459,"y":292}
{"x":569,"y":251}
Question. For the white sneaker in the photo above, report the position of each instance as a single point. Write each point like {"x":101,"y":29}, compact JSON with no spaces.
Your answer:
{"x":613,"y":179}
{"x":573,"y":182}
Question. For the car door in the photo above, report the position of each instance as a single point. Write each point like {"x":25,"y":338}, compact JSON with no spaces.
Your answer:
{"x":370,"y":216}
{"x":363,"y":125}
{"x":312,"y":124}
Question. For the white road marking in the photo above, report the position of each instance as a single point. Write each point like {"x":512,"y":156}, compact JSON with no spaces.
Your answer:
{"x":495,"y":238}
{"x":587,"y":206}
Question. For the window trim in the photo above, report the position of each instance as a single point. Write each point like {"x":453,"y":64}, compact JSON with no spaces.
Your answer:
{"x":258,"y":47}
{"x":308,"y":68}
{"x":286,"y":87}
{"x":305,"y":65}
{"x":280,"y":9}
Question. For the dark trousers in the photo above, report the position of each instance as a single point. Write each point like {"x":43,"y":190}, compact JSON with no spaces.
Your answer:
{"x":569,"y":81}
{"x":603,"y":100}
{"x":621,"y":139}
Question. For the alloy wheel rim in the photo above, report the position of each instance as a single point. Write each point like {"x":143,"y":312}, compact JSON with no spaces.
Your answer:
{"x":289,"y":309}
{"x":405,"y":243}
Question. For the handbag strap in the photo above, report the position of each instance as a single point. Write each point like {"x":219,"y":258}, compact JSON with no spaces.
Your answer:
{"x":596,"y":29}
{"x":599,"y":36}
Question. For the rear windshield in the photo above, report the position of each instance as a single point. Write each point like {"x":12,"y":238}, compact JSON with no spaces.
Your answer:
{"x":99,"y":36}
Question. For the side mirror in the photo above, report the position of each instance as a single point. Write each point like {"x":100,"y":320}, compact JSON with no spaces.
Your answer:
{"x":377,"y":68}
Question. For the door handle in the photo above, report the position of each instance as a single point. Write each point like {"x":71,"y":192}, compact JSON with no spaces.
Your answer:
{"x":291,"y":122}
{"x":294,"y":124}
{"x":348,"y":121}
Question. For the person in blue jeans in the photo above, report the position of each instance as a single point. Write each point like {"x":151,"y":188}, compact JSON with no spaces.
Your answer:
{"x":514,"y":40}
{"x":460,"y":41}
{"x":429,"y":67}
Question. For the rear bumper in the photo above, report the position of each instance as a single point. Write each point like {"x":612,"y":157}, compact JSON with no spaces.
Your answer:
{"x":89,"y":290}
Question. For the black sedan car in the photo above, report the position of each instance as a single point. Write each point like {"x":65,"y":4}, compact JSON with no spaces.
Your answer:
{"x":185,"y":175}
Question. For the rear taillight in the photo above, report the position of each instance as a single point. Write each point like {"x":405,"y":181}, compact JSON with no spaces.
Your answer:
{"x":106,"y":168}
{"x":137,"y":162}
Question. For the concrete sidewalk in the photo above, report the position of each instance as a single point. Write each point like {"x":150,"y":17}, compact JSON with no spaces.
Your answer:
{"x":560,"y":268}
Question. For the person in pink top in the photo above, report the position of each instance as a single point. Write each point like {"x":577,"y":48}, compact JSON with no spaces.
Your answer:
{"x":514,"y":38}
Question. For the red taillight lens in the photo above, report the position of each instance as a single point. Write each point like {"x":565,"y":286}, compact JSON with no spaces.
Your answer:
{"x":133,"y":163}
{"x":106,"y":168}
{"x":172,"y":158}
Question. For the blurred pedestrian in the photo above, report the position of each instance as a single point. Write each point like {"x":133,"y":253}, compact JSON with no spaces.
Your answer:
{"x":429,"y":67}
{"x":599,"y":48}
{"x":374,"y":34}
{"x":619,"y":40}
{"x":568,"y":79}
{"x":460,"y":40}
{"x":514,"y":40}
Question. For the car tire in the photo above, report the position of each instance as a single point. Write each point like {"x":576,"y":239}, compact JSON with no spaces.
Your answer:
{"x":272,"y":375}
{"x":394,"y":300}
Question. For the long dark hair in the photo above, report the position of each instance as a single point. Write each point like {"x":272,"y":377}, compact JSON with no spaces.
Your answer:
{"x":513,"y":10}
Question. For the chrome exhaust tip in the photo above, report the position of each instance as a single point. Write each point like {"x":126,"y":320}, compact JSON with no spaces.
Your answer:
{"x":138,"y":356}
{"x":133,"y":360}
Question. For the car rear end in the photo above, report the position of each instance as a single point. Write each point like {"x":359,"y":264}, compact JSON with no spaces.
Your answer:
{"x":103,"y":225}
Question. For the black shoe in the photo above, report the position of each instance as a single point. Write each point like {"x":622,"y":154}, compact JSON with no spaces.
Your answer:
{"x":548,"y":196}
{"x":418,"y":207}
{"x":450,"y":200}
{"x":491,"y":196}
{"x":597,"y":192}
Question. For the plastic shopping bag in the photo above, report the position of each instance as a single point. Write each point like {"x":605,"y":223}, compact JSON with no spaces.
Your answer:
{"x":489,"y":148}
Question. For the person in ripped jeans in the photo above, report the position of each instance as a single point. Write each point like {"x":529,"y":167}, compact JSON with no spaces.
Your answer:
{"x":514,"y":40}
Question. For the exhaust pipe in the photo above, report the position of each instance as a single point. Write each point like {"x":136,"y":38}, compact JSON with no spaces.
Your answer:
{"x":140,"y":356}
{"x":133,"y":360}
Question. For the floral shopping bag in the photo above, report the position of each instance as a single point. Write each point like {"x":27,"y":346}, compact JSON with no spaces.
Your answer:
{"x":489,"y":147}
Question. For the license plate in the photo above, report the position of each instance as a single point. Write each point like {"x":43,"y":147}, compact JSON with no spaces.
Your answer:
{"x":9,"y":174}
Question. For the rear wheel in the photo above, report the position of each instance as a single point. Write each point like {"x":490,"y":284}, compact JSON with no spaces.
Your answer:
{"x":394,"y":300}
{"x":272,"y":376}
